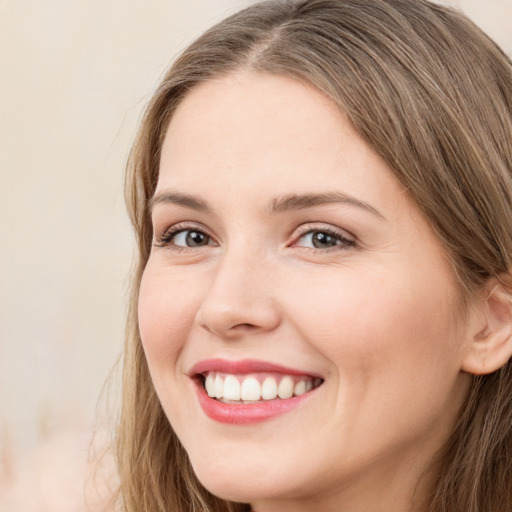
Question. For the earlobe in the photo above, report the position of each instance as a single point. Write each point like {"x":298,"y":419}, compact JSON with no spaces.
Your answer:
{"x":491,"y":344}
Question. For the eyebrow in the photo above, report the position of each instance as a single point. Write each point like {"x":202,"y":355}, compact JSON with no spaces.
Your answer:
{"x":280,"y":204}
{"x":303,"y":201}
{"x":185,"y":200}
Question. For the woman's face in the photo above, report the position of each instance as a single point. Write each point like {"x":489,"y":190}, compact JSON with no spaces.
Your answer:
{"x":288,"y":259}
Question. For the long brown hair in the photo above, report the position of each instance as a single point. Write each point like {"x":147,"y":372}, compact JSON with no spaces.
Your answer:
{"x":432,"y":95}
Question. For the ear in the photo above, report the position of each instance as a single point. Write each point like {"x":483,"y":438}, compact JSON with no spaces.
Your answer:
{"x":491,"y":342}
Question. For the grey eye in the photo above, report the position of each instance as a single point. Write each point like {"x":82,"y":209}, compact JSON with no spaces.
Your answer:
{"x":319,"y":240}
{"x":191,"y":238}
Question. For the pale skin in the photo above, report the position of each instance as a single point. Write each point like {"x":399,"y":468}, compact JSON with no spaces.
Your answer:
{"x":372,"y":308}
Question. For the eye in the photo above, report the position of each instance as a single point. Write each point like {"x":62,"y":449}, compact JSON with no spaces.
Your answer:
{"x":323,"y":239}
{"x":181,"y":237}
{"x":190,"y":238}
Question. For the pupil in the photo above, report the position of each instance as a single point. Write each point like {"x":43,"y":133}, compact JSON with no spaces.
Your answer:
{"x":195,"y":239}
{"x":323,"y":240}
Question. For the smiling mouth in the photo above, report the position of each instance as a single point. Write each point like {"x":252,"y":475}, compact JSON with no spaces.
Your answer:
{"x":258,"y":387}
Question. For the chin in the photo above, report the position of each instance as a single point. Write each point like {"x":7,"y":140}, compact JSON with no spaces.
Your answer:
{"x":233,"y":488}
{"x":243,"y":485}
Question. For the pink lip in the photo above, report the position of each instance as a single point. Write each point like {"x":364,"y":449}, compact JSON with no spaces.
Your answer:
{"x":244,"y":414}
{"x":244,"y":366}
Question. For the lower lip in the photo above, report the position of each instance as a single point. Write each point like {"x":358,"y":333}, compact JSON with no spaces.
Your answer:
{"x":245,"y":414}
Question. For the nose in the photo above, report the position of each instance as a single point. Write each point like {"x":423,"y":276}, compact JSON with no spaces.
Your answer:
{"x":240,"y":299}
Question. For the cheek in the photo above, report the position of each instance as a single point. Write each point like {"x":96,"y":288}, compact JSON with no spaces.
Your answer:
{"x":371,"y":325}
{"x":166,"y":313}
{"x":394,"y":348}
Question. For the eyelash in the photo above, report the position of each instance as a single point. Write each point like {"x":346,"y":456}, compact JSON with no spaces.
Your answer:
{"x":340,"y":236}
{"x":166,"y":238}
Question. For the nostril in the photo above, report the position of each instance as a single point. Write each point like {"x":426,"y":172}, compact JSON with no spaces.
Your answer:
{"x":236,"y":317}
{"x":245,"y":326}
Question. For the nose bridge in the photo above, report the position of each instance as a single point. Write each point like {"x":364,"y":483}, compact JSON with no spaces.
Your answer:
{"x":239,"y":297}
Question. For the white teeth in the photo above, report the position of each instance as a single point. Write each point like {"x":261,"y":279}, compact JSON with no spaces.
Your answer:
{"x":251,"y":389}
{"x":300,"y":388}
{"x":269,"y":389}
{"x":247,"y":388}
{"x":209,"y":385}
{"x":231,"y":388}
{"x":285,"y":388}
{"x":219,"y":386}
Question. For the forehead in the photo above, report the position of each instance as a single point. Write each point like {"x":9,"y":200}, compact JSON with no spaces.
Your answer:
{"x":261,"y":131}
{"x":240,"y":115}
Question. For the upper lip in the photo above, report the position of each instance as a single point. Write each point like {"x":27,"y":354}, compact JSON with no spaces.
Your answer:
{"x":244,"y":366}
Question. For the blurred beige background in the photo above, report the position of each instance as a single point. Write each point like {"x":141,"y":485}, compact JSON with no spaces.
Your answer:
{"x":74,"y":78}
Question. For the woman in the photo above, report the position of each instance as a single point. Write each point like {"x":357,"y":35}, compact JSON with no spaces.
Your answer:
{"x":321,"y":313}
